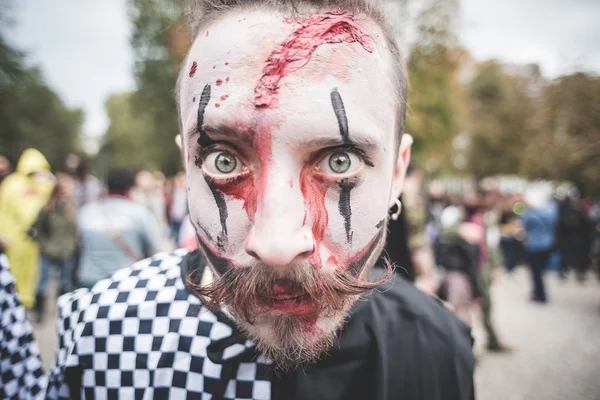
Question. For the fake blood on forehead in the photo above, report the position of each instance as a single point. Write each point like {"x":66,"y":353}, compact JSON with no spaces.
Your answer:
{"x":296,"y":51}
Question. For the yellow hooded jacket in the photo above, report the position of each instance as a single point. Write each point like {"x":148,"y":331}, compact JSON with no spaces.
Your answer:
{"x":21,"y":198}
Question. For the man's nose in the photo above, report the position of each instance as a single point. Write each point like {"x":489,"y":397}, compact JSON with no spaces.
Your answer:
{"x":279,"y":236}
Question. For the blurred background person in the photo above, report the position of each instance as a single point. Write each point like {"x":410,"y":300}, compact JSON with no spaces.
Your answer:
{"x":475,"y":229}
{"x":179,"y":207}
{"x":56,"y":232}
{"x":88,"y":188}
{"x":416,"y":253}
{"x":149,"y":192}
{"x":456,"y":252}
{"x":539,"y":222}
{"x":22,"y":195}
{"x":4,"y":168}
{"x":511,"y":236}
{"x":572,"y":237}
{"x":115,"y":231}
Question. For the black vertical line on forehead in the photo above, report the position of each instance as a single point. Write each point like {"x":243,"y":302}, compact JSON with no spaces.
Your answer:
{"x":203,"y":138}
{"x":340,"y":113}
{"x":344,"y":206}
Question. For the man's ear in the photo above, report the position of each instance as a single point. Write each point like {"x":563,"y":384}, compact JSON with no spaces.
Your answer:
{"x":400,"y":167}
{"x":179,"y":143}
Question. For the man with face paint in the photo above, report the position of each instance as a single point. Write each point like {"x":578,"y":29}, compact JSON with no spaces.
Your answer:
{"x":291,"y":118}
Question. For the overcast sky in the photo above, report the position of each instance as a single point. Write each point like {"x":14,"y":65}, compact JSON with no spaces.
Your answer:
{"x":83,"y":47}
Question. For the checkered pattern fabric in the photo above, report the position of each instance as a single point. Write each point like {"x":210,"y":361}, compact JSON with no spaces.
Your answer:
{"x":21,"y":372}
{"x":141,"y":335}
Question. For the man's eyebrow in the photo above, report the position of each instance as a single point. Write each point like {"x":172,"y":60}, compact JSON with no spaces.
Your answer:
{"x":358,"y":141}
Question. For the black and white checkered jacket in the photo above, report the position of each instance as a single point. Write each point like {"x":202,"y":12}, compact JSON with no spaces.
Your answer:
{"x":142,"y":335}
{"x":21,"y":372}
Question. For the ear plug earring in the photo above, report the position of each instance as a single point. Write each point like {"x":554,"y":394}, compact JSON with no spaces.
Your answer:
{"x":394,"y":216}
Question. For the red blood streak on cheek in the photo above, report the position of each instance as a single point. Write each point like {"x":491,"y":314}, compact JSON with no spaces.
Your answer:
{"x":193,"y":69}
{"x":314,"y":200}
{"x":214,"y":66}
{"x":227,"y":63}
{"x":224,"y":97}
{"x":250,"y":188}
{"x":217,"y":105}
{"x":296,"y":51}
{"x":219,"y":82}
{"x":227,"y":80}
{"x":242,"y":188}
{"x":194,"y":100}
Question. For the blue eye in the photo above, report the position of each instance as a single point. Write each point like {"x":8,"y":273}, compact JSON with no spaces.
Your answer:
{"x":222,"y":162}
{"x":340,"y":162}
{"x":225,"y":163}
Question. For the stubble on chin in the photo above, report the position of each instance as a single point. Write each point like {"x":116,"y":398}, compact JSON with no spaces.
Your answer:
{"x":292,"y":342}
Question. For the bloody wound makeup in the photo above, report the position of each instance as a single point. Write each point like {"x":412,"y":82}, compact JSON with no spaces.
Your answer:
{"x":297,"y":50}
{"x":289,"y":175}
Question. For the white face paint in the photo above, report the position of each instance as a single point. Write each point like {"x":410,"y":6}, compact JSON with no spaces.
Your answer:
{"x":292,"y":169}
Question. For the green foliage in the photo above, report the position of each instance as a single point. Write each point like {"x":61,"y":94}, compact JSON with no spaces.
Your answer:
{"x":145,"y":122}
{"x":127,"y":142}
{"x":32,"y":114}
{"x":436,"y":96}
{"x":502,"y":120}
{"x":568,"y":142}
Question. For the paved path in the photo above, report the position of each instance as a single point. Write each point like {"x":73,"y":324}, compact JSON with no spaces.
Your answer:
{"x":557,"y":346}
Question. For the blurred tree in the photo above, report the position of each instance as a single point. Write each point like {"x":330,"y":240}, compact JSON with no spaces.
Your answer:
{"x":567,"y":147}
{"x":127,"y":142}
{"x":502,"y":119}
{"x":32,"y":114}
{"x":437,"y":101}
{"x":147,"y":118}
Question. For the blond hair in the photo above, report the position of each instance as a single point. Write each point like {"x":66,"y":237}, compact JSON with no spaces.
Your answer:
{"x":202,"y":12}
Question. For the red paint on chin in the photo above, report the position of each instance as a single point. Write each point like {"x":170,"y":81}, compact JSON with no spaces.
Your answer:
{"x":296,"y":51}
{"x":314,"y":200}
{"x":293,"y":307}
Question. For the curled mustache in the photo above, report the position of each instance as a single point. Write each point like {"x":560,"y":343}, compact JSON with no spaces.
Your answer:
{"x":247,"y":290}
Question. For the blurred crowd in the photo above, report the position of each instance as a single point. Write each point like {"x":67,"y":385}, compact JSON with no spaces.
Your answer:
{"x":453,"y":244}
{"x":478,"y":235}
{"x":70,"y":223}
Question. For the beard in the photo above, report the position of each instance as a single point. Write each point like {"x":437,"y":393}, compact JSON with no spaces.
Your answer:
{"x":279,"y":309}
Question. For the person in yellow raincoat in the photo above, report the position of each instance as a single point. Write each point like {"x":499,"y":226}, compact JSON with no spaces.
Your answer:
{"x":22,"y":195}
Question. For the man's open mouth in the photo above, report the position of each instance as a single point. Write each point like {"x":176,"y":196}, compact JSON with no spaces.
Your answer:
{"x":288,"y":299}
